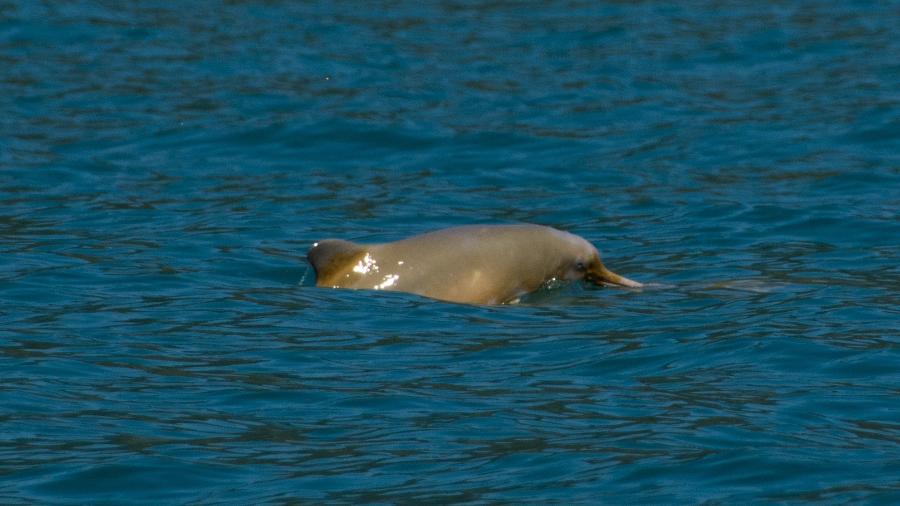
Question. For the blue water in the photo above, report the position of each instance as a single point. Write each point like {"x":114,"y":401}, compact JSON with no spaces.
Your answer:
{"x":164,"y":166}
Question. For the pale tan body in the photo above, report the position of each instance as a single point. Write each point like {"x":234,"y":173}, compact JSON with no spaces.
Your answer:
{"x":489,"y":264}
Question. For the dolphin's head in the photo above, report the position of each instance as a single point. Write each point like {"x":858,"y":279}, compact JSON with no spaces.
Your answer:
{"x":583,"y":262}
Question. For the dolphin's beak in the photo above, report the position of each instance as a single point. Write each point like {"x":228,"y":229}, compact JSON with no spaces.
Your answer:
{"x":600,"y":275}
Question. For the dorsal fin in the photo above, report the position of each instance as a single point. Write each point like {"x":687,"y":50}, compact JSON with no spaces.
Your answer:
{"x":333,"y":258}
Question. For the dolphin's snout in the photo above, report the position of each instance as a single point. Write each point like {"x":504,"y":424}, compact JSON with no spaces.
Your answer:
{"x":602,"y":275}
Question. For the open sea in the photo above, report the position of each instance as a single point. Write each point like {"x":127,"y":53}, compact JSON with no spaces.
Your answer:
{"x":165,"y":166}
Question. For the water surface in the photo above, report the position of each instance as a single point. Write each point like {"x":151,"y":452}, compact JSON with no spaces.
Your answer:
{"x":163,"y":170}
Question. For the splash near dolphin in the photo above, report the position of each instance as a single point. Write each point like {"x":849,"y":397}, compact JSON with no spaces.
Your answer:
{"x":478,"y":264}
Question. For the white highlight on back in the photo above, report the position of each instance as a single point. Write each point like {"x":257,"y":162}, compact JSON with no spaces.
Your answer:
{"x":366,"y":265}
{"x":388,"y":282}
